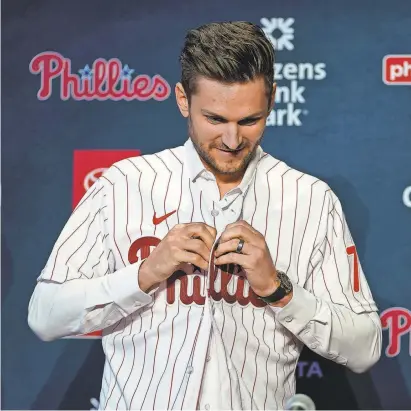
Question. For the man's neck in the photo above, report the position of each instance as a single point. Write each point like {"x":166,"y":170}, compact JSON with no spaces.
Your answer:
{"x":226,"y":182}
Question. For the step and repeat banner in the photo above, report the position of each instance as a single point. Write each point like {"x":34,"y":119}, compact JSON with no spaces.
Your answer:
{"x":342,"y":113}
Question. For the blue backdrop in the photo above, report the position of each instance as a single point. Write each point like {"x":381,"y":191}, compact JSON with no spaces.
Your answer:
{"x":335,"y":118}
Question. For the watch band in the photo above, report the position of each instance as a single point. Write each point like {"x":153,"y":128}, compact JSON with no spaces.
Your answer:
{"x":283,"y":289}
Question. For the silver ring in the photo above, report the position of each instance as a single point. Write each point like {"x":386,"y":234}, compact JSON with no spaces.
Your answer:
{"x":240,"y":246}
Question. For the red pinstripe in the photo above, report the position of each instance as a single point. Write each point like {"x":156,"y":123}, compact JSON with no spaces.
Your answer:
{"x":295,"y":218}
{"x":255,"y":359}
{"x":181,"y":186}
{"x":168,"y":185}
{"x":246,"y":341}
{"x":269,"y":194}
{"x":305,"y":229}
{"x":142,"y":370}
{"x":88,"y":255}
{"x":268,"y":356}
{"x":168,"y":356}
{"x":192,"y":354}
{"x":134,"y":355}
{"x":61,"y":245}
{"x":114,"y":221}
{"x":152,"y":187}
{"x":155,"y":354}
{"x":92,"y":192}
{"x":111,"y":358}
{"x":175,"y":361}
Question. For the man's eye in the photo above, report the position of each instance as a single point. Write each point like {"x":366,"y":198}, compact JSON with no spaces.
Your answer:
{"x":214,"y":120}
{"x":248,"y":121}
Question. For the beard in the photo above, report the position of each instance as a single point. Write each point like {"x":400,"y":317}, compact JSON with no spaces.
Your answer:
{"x":220,"y":167}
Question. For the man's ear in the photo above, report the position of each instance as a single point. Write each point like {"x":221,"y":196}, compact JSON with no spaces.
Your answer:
{"x":182,"y":100}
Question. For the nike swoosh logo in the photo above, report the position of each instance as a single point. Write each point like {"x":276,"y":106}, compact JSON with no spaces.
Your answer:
{"x":158,"y":220}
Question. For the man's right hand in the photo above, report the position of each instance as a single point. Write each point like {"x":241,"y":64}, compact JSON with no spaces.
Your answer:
{"x":184,"y":243}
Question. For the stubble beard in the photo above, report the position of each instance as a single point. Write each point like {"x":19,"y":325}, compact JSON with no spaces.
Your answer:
{"x":212,"y":164}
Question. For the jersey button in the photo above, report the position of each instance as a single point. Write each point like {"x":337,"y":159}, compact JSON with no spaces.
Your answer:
{"x":288,"y":319}
{"x":208,"y":358}
{"x":190,"y":370}
{"x":207,"y":406}
{"x":214,"y":213}
{"x":313,"y":346}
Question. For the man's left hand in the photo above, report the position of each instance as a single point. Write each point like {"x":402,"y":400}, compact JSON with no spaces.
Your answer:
{"x":255,"y":258}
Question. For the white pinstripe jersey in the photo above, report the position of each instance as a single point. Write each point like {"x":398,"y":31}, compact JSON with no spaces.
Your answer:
{"x":202,"y":339}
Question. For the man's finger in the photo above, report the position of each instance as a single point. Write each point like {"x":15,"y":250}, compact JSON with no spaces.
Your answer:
{"x":244,"y":224}
{"x":231,"y":246}
{"x":184,"y":256}
{"x":237,"y":231}
{"x":198,"y":247}
{"x":233,"y":258}
{"x":202,"y":231}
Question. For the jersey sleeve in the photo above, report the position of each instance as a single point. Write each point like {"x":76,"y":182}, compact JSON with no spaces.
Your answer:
{"x":81,"y":250}
{"x":336,"y":274}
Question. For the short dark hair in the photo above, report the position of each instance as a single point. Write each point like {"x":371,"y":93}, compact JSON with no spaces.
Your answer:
{"x":230,"y":52}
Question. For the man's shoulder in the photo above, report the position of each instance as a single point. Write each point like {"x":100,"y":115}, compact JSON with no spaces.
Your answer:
{"x":164,"y":161}
{"x":278,"y":170}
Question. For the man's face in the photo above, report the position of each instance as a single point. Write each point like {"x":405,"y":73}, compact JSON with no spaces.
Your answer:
{"x":226,"y":122}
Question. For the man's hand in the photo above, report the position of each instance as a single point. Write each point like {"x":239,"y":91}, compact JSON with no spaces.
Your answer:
{"x":255,"y":258}
{"x":184,"y":243}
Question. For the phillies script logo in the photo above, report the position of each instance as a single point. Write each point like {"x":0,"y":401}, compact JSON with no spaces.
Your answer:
{"x":397,"y":321}
{"x":105,"y":80}
{"x":396,"y":69}
{"x":144,"y":244}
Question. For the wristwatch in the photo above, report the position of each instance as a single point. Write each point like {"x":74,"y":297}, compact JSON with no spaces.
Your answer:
{"x":285,"y":288}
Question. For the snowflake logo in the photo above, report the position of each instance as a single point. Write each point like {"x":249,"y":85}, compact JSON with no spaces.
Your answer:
{"x":280,"y":32}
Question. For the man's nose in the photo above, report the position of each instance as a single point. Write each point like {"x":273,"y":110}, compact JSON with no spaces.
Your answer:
{"x":232,"y":137}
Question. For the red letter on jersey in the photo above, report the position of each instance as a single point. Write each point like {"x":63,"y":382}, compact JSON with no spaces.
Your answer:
{"x":352,"y":250}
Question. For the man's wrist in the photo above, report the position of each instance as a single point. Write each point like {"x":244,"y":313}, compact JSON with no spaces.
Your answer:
{"x":283,"y":302}
{"x":146,"y":280}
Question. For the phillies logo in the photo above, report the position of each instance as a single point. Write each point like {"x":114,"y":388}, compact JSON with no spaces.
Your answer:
{"x":105,"y":80}
{"x":396,"y":69}
{"x":219,"y":280}
{"x":398,"y":322}
{"x":93,"y":176}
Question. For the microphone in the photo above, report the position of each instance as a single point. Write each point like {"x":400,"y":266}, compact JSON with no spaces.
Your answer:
{"x":300,"y":402}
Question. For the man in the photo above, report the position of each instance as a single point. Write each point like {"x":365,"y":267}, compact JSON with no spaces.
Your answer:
{"x":208,"y":266}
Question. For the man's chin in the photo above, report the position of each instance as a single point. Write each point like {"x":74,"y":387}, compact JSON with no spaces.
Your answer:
{"x":226,"y":169}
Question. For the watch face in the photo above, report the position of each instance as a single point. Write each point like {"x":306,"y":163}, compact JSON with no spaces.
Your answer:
{"x":285,"y":282}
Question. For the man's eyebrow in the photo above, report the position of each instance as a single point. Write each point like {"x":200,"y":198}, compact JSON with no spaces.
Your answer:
{"x":210,"y":113}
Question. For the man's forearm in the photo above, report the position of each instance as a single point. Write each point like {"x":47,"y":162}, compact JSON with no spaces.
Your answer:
{"x":333,"y":331}
{"x":84,"y":305}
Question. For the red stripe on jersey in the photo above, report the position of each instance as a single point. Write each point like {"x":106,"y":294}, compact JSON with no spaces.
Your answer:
{"x":141,"y":195}
{"x":181,"y":186}
{"x":152,"y":187}
{"x":134,"y":356}
{"x":168,"y":356}
{"x":175,"y":361}
{"x":61,"y":245}
{"x":305,"y":229}
{"x":142,"y":370}
{"x":255,"y":359}
{"x":155,"y":354}
{"x":114,"y":219}
{"x":168,"y":185}
{"x":111,"y":358}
